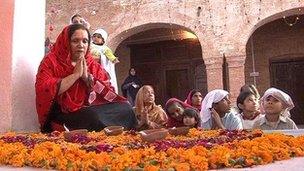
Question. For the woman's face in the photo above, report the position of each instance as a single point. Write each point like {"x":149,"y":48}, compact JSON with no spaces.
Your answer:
{"x":273,"y":106}
{"x":223,"y":106}
{"x":79,"y":44}
{"x":250,"y":104}
{"x":149,"y":96}
{"x":197,"y":99}
{"x":176,"y":111}
{"x":97,"y":39}
{"x":132,"y":72}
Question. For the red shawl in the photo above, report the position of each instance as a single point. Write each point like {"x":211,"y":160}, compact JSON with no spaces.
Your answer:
{"x":189,"y":100}
{"x":172,"y":122}
{"x":55,"y":66}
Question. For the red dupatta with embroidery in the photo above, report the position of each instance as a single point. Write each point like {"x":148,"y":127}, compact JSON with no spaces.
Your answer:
{"x":57,"y":65}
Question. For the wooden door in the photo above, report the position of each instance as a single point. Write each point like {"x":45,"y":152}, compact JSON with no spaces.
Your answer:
{"x":173,"y":68}
{"x":288,"y":75}
{"x":177,"y":83}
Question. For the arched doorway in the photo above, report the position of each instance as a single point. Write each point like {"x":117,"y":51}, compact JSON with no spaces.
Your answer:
{"x":275,"y":51}
{"x":168,"y":58}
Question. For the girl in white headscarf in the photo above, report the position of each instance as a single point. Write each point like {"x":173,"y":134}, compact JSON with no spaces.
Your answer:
{"x":276,"y":105}
{"x":104,"y":55}
{"x":215,"y":112}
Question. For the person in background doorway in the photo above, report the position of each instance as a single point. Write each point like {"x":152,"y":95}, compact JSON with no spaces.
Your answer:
{"x":131,"y":86}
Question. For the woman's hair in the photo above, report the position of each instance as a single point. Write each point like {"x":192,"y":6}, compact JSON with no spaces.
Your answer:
{"x":139,"y":100}
{"x":74,"y":27}
{"x":251,"y":88}
{"x":241,"y":98}
{"x":192,"y":113}
{"x":74,"y":16}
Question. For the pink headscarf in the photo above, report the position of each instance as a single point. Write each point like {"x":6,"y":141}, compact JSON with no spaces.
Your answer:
{"x":189,"y":99}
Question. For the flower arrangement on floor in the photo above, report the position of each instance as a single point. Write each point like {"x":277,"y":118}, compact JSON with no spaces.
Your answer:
{"x":198,"y":150}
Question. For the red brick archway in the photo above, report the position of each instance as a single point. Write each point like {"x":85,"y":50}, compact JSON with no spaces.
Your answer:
{"x":275,"y":51}
{"x":187,"y":61}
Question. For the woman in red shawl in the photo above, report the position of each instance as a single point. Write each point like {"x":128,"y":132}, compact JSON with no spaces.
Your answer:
{"x":72,"y":89}
{"x":175,"y":111}
{"x":195,"y":99}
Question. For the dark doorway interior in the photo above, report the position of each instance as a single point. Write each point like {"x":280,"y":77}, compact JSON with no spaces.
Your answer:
{"x":177,"y":83}
{"x":287,"y":74}
{"x":172,"y":67}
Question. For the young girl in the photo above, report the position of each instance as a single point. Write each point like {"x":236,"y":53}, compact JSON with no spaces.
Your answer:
{"x":191,"y":118}
{"x":248,"y":106}
{"x":103,"y":54}
{"x":276,"y":104}
{"x":149,"y":115}
{"x":215,"y":112}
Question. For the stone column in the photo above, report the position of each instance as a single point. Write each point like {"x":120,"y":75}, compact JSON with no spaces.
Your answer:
{"x":236,"y":67}
{"x":6,"y":31}
{"x":214,"y":71}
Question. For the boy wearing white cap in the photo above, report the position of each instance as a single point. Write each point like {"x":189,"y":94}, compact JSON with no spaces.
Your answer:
{"x":276,"y":105}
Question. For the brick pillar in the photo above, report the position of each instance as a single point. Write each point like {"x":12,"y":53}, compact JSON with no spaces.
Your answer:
{"x":236,"y":67}
{"x":214,"y":71}
{"x":6,"y":31}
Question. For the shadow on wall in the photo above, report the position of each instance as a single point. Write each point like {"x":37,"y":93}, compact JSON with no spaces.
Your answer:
{"x":24,"y":115}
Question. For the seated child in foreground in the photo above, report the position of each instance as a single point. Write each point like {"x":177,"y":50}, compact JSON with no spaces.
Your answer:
{"x":149,"y":115}
{"x":248,"y":106}
{"x":276,"y":105}
{"x":216,"y":114}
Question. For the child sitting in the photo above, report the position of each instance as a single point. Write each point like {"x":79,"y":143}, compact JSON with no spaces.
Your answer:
{"x":191,"y":118}
{"x":249,"y":109}
{"x":276,"y":104}
{"x":149,"y":115}
{"x":216,"y":114}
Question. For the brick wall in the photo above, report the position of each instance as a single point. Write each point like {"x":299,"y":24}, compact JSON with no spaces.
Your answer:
{"x":222,"y":27}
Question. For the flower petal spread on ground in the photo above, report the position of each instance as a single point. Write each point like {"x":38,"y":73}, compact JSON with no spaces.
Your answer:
{"x":198,"y":150}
